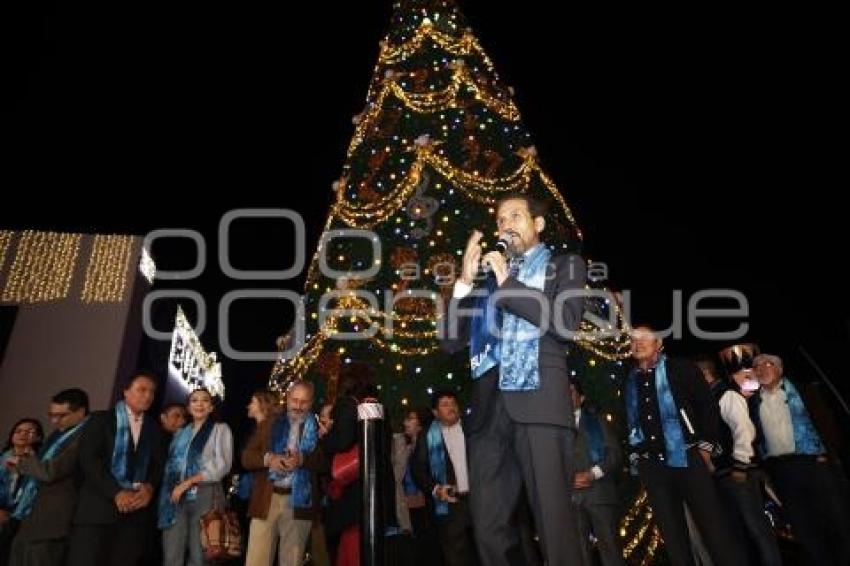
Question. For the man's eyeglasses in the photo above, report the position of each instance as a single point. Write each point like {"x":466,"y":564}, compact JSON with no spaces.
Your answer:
{"x":58,"y":416}
{"x":765,"y":363}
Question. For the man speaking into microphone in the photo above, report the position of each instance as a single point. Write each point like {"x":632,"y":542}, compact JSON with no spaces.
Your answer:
{"x":521,"y":428}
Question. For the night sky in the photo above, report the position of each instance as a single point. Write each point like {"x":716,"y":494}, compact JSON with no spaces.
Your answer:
{"x":690,"y":144}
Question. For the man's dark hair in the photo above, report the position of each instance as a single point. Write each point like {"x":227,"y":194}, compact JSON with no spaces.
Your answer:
{"x":75,"y":398}
{"x":173,"y":405}
{"x":142,"y":374}
{"x":536,"y":207}
{"x":435,"y":398}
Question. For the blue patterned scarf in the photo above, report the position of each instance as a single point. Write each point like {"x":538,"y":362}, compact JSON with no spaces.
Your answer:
{"x":437,"y":461}
{"x":245,"y":486}
{"x":483,"y":340}
{"x":806,"y":438}
{"x":595,"y":438}
{"x":121,"y":450}
{"x":184,"y":461}
{"x":29,"y":488}
{"x":516,"y":352}
{"x":519,"y":368}
{"x":409,"y":486}
{"x":6,"y":481}
{"x":674,"y":438}
{"x":302,"y":488}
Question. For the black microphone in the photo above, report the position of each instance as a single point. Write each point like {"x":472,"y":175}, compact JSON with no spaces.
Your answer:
{"x":501,"y":246}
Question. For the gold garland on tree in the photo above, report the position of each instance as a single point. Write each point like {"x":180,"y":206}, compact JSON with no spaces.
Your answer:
{"x":466,"y":45}
{"x":642,"y":512}
{"x":429,"y":103}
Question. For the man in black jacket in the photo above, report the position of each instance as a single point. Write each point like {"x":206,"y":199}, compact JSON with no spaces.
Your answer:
{"x":120,"y":471}
{"x":440,"y":470}
{"x":45,"y":515}
{"x":521,"y":428}
{"x":673,"y":431}
{"x":735,"y":471}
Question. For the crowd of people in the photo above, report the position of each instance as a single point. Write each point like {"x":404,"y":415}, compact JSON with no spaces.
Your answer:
{"x":121,"y":487}
{"x":527,"y":476}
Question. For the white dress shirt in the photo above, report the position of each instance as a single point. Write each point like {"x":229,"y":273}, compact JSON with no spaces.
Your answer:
{"x":733,"y":410}
{"x":456,"y":447}
{"x":776,"y":422}
{"x":135,"y":424}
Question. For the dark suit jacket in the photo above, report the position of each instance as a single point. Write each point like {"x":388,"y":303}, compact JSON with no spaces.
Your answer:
{"x":603,"y":490}
{"x":261,"y":492}
{"x":421,"y":467}
{"x":96,"y":502}
{"x":53,"y":507}
{"x":693,"y":396}
{"x":550,"y":404}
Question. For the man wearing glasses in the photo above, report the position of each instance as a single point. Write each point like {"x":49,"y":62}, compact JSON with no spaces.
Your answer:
{"x":795,"y":457}
{"x":49,"y":493}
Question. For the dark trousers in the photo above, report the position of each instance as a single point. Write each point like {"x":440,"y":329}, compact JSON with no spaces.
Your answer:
{"x":119,"y":544}
{"x":601,"y":519}
{"x":745,"y":506}
{"x":668,"y":490}
{"x":815,"y":502}
{"x":504,"y":455}
{"x":426,"y":542}
{"x":525,"y":522}
{"x":49,"y":552}
{"x":7,"y":535}
{"x":456,"y":537}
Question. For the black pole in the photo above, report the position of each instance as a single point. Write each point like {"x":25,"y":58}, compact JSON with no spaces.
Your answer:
{"x":370,"y":415}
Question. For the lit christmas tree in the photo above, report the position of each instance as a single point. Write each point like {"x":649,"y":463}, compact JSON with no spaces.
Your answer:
{"x":438,"y":142}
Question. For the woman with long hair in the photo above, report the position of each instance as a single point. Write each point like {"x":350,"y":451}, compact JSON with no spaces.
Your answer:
{"x":262,"y":410}
{"x":25,"y":438}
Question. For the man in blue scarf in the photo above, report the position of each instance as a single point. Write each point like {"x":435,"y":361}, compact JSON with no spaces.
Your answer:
{"x":286,"y":458}
{"x":49,"y":492}
{"x":121,"y":467}
{"x":517,"y":322}
{"x":440,"y":470}
{"x":673,"y":431}
{"x":809,"y":485}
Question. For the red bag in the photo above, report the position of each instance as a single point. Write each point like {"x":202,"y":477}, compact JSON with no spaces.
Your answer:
{"x":346,"y":466}
{"x":345,"y":469}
